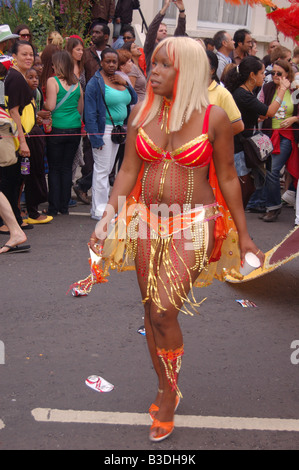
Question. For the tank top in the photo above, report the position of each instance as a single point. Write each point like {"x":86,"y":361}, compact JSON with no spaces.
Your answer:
{"x":67,"y":115}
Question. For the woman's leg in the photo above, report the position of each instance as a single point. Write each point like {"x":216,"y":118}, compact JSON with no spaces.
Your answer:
{"x":54,"y":156}
{"x":70,"y":147}
{"x":163,"y":332}
{"x":273,"y":192}
{"x":104,"y":159}
{"x":17,"y":236}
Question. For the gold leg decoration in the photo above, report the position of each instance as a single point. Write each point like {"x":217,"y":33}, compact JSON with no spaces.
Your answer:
{"x":172,"y":361}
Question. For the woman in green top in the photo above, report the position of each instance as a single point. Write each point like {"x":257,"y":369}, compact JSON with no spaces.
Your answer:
{"x":65,"y":100}
{"x":282,"y":135}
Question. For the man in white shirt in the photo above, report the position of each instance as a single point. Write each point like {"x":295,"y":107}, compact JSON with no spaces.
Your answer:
{"x":224,"y":45}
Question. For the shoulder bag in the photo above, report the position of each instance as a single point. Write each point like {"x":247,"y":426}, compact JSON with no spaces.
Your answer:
{"x":257,"y":149}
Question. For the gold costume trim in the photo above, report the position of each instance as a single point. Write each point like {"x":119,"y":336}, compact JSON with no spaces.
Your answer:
{"x":163,"y":231}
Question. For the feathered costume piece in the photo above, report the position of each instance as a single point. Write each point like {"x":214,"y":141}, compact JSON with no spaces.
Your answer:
{"x":252,"y":3}
{"x":84,"y":286}
{"x":286,"y":20}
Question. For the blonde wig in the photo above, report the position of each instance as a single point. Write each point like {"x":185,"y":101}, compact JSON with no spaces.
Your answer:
{"x":190,"y":92}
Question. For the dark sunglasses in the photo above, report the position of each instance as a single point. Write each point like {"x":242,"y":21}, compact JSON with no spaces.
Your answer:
{"x":25,"y":35}
{"x":279,"y":74}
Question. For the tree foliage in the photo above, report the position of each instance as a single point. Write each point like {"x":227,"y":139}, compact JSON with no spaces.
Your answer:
{"x":65,"y":16}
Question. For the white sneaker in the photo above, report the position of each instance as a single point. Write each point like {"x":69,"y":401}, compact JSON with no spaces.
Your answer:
{"x":289,"y":197}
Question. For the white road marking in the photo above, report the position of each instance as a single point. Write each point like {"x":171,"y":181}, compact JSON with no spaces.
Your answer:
{"x":184,"y":421}
{"x":2,"y":425}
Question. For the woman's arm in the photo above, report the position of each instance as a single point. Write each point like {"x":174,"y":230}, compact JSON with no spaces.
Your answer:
{"x":81,"y":101}
{"x":51,"y":93}
{"x":275,"y":105}
{"x":124,"y":183}
{"x":223,"y":156}
{"x":15,"y":115}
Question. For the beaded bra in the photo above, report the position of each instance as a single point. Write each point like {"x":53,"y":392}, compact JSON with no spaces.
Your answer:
{"x":193,"y":154}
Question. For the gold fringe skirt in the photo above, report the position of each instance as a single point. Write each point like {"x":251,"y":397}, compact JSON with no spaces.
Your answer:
{"x":167,"y":250}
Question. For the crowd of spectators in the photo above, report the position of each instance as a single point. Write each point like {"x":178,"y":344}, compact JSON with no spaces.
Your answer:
{"x":69,"y":96}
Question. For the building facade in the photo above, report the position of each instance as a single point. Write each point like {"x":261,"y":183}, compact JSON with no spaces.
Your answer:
{"x":206,"y":17}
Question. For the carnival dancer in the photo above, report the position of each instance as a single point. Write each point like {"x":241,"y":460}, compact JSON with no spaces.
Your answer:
{"x":175,"y":141}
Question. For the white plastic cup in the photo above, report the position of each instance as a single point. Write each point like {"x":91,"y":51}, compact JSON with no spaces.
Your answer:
{"x":250,"y":264}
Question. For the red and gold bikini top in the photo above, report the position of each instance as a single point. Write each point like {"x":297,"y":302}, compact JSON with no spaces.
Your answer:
{"x":194,"y":154}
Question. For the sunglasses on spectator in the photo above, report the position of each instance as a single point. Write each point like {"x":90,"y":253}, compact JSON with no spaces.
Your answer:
{"x":279,"y":74}
{"x":25,"y":35}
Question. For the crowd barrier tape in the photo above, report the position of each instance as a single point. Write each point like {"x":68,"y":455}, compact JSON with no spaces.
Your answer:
{"x":86,"y":134}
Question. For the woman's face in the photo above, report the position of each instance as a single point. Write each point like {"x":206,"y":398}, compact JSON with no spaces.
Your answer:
{"x":277,"y":74}
{"x":77,"y":52}
{"x":135,"y":51}
{"x":25,"y":35}
{"x":163,"y":74}
{"x":24,"y":57}
{"x":110,"y":63}
{"x":259,"y":77}
{"x":127,"y":67}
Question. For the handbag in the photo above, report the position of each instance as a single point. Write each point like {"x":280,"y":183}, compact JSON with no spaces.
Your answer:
{"x":257,"y":149}
{"x":118,"y":133}
{"x":9,"y":142}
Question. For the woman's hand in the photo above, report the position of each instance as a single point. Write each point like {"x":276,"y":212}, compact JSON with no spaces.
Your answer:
{"x":284,"y":83}
{"x":247,"y":245}
{"x":288,"y":122}
{"x":117,"y":79}
{"x":95,"y":244}
{"x":24,"y":149}
{"x":44,"y":114}
{"x":100,"y":233}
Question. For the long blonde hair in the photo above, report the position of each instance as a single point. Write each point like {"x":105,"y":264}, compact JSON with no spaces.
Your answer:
{"x":190,"y":92}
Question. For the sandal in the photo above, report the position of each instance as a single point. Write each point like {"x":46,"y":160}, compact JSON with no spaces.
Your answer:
{"x":167,"y":426}
{"x":154,"y":408}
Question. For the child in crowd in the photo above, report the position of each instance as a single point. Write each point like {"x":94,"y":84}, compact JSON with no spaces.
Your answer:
{"x":35,"y":183}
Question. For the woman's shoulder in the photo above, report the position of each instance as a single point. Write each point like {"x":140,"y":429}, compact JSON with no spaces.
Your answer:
{"x":14,"y":77}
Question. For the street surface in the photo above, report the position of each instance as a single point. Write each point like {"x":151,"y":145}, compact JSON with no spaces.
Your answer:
{"x":240,"y":372}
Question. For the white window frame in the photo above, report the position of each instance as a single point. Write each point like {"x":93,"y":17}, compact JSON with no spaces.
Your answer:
{"x":227,"y":26}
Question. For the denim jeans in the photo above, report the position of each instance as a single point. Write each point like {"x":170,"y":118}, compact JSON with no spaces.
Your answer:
{"x":61,"y":151}
{"x":272,"y":185}
{"x":240,"y":164}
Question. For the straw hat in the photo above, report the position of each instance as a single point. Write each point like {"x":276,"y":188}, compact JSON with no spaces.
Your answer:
{"x":5,"y":33}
